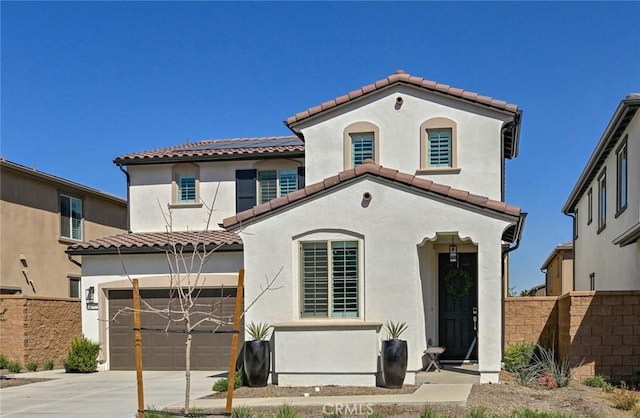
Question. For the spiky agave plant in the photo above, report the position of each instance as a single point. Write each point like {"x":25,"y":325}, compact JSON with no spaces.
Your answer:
{"x":259,"y":331}
{"x":395,"y":329}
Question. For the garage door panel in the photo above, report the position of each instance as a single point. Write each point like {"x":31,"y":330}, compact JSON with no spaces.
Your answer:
{"x":165,"y":350}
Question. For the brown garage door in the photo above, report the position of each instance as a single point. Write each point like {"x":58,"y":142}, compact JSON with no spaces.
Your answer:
{"x":165,"y":351}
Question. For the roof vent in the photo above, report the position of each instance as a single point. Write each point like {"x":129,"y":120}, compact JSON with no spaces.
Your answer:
{"x":399,"y":72}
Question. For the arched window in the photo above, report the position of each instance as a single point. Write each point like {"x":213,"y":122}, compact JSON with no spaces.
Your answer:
{"x":185,"y":184}
{"x":361,"y":142}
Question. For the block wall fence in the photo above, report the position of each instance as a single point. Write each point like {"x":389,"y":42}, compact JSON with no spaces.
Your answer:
{"x":38,"y":328}
{"x":599,"y":330}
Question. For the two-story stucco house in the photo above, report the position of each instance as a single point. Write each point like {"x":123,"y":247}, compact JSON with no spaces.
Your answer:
{"x":386,"y":205}
{"x":605,"y":206}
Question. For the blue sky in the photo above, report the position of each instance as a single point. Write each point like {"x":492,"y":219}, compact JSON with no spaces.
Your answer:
{"x":84,"y":82}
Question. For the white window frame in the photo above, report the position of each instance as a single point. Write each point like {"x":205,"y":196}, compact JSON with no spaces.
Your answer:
{"x":279,"y":178}
{"x":590,"y":206}
{"x":70,"y":217}
{"x":330,"y":314}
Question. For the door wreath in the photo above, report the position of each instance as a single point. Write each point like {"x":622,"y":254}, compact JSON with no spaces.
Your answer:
{"x":457,"y":283}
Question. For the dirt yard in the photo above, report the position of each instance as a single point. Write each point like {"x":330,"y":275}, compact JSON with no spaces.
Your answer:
{"x":502,"y":399}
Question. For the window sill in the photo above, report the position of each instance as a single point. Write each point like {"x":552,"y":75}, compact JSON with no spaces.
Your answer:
{"x":319,"y":324}
{"x":438,"y":171}
{"x":620,"y":211}
{"x":184,"y":205}
{"x":68,"y":241}
{"x":602,"y":228}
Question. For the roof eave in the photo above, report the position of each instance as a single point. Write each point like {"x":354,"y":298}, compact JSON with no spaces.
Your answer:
{"x":146,"y":249}
{"x":228,"y":157}
{"x":597,"y":158}
{"x":293,"y":125}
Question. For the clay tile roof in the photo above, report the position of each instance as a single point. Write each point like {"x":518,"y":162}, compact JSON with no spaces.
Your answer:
{"x":373,"y":169}
{"x":402,"y":77}
{"x":155,"y":241}
{"x":233,"y":148}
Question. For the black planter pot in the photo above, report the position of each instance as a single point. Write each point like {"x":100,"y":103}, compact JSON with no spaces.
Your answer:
{"x":394,"y":362}
{"x":257,"y":362}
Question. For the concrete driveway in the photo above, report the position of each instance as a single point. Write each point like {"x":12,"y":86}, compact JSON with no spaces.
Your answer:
{"x":110,"y":394}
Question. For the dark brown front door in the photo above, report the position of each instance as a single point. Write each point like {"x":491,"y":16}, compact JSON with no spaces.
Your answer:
{"x":458,"y":296}
{"x":166,"y":351}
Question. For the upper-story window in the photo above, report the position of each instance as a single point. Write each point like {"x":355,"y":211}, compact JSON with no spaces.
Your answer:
{"x":589,"y":206}
{"x":439,"y":148}
{"x":186,"y":184}
{"x":276,"y":183}
{"x":602,"y":201}
{"x":268,"y":180}
{"x":70,"y":217}
{"x":361,"y":142}
{"x":438,"y":145}
{"x":621,"y":189}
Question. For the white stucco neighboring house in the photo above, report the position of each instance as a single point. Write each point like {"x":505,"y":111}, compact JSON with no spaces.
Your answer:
{"x":387,"y":205}
{"x":605,"y":206}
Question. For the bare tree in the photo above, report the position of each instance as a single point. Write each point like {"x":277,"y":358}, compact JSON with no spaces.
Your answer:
{"x":186,"y":264}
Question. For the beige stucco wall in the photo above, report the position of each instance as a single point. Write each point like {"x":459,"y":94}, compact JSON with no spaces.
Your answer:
{"x":30,"y":222}
{"x":479,"y":145}
{"x":559,"y":276}
{"x":150,"y":194}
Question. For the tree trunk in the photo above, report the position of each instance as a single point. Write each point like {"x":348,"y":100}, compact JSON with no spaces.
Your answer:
{"x":187,"y":372}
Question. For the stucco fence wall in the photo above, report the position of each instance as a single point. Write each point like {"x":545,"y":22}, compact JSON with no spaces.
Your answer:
{"x":599,"y":330}
{"x":38,"y":328}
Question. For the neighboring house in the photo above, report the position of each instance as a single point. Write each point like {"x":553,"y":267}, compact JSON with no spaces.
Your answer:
{"x":387,"y":205}
{"x":605,"y":205}
{"x":558,"y":270}
{"x":539,"y":290}
{"x":41,"y":215}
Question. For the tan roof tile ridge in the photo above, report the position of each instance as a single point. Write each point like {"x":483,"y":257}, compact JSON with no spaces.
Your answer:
{"x":401,"y":76}
{"x":370,"y":167}
{"x":187,"y":148}
{"x":158,"y":239}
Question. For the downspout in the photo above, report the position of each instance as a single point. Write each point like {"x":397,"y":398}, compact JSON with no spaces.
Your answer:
{"x":523,"y":217}
{"x":73,"y":261}
{"x":126,"y":173}
{"x":573,"y":241}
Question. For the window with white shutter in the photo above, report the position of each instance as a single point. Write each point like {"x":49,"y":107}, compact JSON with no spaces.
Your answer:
{"x":330,"y":279}
{"x":439,"y":147}
{"x":276,"y":183}
{"x":362,"y":148}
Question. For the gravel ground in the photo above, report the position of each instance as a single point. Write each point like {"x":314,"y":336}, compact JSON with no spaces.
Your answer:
{"x":273,"y":391}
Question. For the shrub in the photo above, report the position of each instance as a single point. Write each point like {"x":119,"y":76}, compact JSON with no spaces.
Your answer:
{"x":14,"y":366}
{"x":83,"y":356}
{"x":286,"y":411}
{"x":32,"y":366}
{"x":193,"y":413}
{"x":242,"y":412}
{"x":3,"y":361}
{"x":599,"y":381}
{"x":545,"y":370}
{"x":518,"y":356}
{"x":223,"y":384}
{"x":48,"y":365}
{"x":624,"y":399}
{"x":479,"y":412}
{"x":427,"y":412}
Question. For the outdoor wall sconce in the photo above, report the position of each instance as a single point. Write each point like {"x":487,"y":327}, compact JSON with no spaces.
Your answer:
{"x":453,"y":252}
{"x":23,"y":260}
{"x":399,"y":101}
{"x":89,"y":294}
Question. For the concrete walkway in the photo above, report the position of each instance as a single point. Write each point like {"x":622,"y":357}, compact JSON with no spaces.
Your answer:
{"x":441,"y":393}
{"x":110,"y":394}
